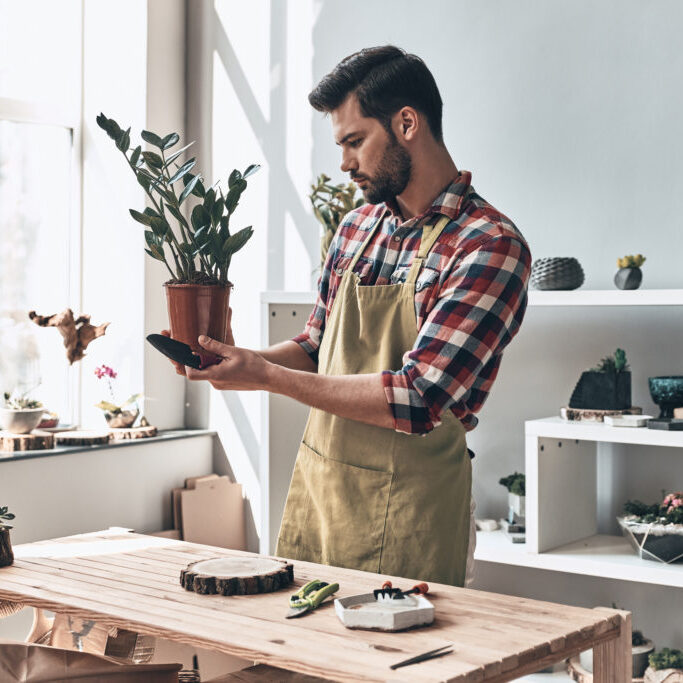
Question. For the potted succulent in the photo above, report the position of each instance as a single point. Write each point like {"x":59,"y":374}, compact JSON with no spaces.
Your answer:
{"x":655,"y":531}
{"x":6,"y":554}
{"x":330,"y":204}
{"x":629,"y":275}
{"x":666,"y":666}
{"x":641,"y":650}
{"x":607,"y":386}
{"x":19,"y":414}
{"x":117,"y":415}
{"x":516,"y":486}
{"x":196,"y":251}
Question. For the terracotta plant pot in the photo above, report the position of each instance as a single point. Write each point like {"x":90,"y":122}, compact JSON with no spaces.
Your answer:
{"x":6,"y":554}
{"x":198,"y":309}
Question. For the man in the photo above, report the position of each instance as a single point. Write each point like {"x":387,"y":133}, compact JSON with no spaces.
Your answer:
{"x":422,"y":289}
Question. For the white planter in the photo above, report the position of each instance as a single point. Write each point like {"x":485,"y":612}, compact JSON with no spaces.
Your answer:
{"x":20,"y":421}
{"x":517,"y":504}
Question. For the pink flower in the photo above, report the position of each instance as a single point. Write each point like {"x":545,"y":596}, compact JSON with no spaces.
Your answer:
{"x":105,"y":371}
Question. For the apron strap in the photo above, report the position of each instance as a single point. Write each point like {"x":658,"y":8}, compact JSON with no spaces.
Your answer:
{"x":373,"y":230}
{"x":430,"y":233}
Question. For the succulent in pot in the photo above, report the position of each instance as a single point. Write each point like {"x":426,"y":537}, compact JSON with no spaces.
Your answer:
{"x":629,"y":275}
{"x":197,"y":251}
{"x":6,"y":554}
{"x":19,"y":414}
{"x":516,"y":486}
{"x":607,"y":386}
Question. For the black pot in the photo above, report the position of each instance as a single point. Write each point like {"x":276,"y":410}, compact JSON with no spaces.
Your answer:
{"x":628,"y":278}
{"x":602,"y":391}
{"x":6,"y":554}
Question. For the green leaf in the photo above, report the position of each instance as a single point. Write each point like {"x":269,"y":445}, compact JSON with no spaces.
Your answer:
{"x":251,"y":170}
{"x":209,"y":199}
{"x":141,"y":217}
{"x":157,"y":252}
{"x":149,"y":211}
{"x":200,"y":217}
{"x":199,"y":190}
{"x":159,"y":226}
{"x":150,"y":238}
{"x":177,"y":153}
{"x":169,"y":141}
{"x":132,"y":399}
{"x":123,"y":143}
{"x":152,"y":138}
{"x":109,"y":407}
{"x":235,"y":242}
{"x":185,"y":168}
{"x":234,"y":194}
{"x":135,"y":156}
{"x":110,"y":126}
{"x":144,"y":181}
{"x":224,"y":231}
{"x":175,"y":213}
{"x":153,"y":160}
{"x":188,"y":188}
{"x":217,"y":211}
{"x":233,"y":178}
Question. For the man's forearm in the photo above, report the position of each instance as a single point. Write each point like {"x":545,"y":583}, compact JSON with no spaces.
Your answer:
{"x":289,"y":354}
{"x":356,"y":397}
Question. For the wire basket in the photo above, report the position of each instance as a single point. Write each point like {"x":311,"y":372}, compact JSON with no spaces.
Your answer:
{"x":556,"y":273}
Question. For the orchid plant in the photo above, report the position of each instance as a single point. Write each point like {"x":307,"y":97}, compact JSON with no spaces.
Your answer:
{"x":109,"y":374}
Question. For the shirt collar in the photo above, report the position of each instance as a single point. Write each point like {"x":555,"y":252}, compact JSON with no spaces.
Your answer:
{"x":447,"y":203}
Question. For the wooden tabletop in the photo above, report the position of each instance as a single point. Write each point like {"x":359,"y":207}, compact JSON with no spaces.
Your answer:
{"x":132,"y":581}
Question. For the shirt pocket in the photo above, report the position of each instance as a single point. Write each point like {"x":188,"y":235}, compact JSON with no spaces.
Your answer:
{"x":363,"y":268}
{"x":427,"y":277}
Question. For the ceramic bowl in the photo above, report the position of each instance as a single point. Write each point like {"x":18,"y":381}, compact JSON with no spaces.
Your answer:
{"x":667,"y":393}
{"x":20,"y":421}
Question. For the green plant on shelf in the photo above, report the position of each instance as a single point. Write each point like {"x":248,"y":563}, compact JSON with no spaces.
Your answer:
{"x":21,"y":402}
{"x":669,"y":511}
{"x":613,"y":364}
{"x":514,"y":483}
{"x":5,"y":517}
{"x":631,"y":261}
{"x":666,"y":658}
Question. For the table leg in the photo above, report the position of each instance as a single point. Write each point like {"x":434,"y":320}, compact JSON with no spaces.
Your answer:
{"x":612,"y":662}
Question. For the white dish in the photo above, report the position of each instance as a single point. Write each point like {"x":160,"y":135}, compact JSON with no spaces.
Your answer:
{"x":627,"y":420}
{"x":363,"y":611}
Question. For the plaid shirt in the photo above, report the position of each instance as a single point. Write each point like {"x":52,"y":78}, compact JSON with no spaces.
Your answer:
{"x":470,"y":299}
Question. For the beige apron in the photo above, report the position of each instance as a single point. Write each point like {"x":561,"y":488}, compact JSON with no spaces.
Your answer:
{"x":367,"y":497}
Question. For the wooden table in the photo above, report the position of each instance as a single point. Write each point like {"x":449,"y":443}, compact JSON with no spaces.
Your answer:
{"x":132,"y":581}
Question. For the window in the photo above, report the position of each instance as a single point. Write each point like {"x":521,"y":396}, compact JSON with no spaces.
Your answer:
{"x":40,"y":103}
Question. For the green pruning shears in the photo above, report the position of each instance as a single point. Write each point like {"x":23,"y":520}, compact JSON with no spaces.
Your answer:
{"x":308,"y":597}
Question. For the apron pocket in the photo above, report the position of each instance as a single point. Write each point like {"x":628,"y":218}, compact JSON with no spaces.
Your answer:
{"x":346,"y":511}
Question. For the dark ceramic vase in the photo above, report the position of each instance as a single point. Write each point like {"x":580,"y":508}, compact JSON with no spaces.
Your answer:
{"x":628,"y":278}
{"x":602,"y":391}
{"x":6,"y":554}
{"x":667,"y":393}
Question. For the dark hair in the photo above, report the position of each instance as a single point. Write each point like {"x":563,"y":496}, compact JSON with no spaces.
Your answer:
{"x":384,"y":79}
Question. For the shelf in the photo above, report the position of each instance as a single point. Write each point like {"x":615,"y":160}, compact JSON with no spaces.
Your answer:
{"x":607,"y":297}
{"x":609,"y":557}
{"x":556,"y":427}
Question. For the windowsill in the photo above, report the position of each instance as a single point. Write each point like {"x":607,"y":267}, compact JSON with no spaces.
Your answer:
{"x":168,"y":435}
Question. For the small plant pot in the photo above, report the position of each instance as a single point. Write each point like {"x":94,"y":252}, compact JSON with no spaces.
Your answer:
{"x":194,"y":310}
{"x":641,"y":657}
{"x":125,"y":418}
{"x":628,"y":278}
{"x":6,"y":554}
{"x":602,"y":391}
{"x":517,"y":504}
{"x":20,"y":421}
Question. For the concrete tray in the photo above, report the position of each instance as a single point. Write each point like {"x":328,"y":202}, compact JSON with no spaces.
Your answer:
{"x":363,"y":611}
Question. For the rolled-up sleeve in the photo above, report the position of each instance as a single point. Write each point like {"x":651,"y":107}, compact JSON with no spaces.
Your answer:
{"x":478,"y":311}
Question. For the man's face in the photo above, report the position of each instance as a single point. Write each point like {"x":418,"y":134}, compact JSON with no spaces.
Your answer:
{"x":372,"y":156}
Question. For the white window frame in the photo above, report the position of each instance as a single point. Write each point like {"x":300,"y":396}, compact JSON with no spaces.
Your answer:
{"x":70,"y":116}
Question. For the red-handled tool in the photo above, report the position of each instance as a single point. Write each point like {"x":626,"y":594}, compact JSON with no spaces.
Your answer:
{"x":388,"y":592}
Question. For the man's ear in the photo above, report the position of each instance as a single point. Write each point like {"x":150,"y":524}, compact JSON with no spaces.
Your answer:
{"x":408,"y":123}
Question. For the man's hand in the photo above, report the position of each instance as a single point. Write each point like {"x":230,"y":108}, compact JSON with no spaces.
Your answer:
{"x":240,"y":369}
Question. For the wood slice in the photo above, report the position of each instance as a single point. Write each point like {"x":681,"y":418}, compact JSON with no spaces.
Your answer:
{"x":36,"y":441}
{"x":122,"y":433}
{"x":236,"y":575}
{"x":594,"y":415}
{"x":86,"y":437}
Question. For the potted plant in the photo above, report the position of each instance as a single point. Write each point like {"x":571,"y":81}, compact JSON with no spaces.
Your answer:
{"x":6,"y":554}
{"x":117,"y":415}
{"x":607,"y":386}
{"x":629,"y":275}
{"x":19,"y":414}
{"x":666,"y":666}
{"x":330,"y":204}
{"x":197,"y":252}
{"x":516,"y":486}
{"x":641,"y":649}
{"x":655,"y":531}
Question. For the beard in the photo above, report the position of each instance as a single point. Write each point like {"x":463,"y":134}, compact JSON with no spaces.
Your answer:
{"x":392,"y":174}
